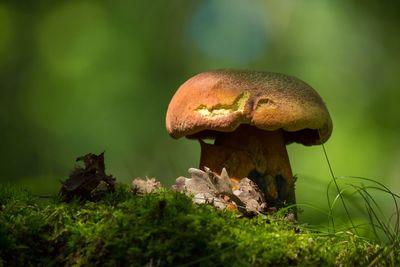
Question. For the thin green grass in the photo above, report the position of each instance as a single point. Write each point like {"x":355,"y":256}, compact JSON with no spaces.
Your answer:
{"x":358,"y":192}
{"x":363,"y":198}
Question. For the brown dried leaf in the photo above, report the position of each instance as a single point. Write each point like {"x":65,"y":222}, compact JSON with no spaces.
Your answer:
{"x":88,"y":183}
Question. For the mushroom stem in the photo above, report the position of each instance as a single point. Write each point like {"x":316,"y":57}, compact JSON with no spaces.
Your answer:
{"x":257,"y":154}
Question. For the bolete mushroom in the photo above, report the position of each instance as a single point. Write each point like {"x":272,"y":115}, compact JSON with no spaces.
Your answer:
{"x":250,"y":116}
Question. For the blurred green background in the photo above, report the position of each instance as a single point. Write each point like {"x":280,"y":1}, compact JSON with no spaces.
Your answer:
{"x":89,"y":76}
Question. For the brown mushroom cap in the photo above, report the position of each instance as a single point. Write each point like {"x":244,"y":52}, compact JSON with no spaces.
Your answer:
{"x":221,"y":100}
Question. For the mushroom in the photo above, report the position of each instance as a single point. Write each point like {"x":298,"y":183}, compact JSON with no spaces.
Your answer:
{"x":250,"y":117}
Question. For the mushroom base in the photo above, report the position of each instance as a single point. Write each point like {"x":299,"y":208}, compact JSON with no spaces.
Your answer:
{"x":256,"y":154}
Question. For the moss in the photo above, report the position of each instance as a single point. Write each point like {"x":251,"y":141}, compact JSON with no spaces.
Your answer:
{"x":164,"y":229}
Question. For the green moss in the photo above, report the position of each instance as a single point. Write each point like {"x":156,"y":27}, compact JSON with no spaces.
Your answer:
{"x":164,"y":229}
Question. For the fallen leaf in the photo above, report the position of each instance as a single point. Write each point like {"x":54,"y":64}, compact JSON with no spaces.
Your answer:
{"x":89,"y":182}
{"x":145,"y":186}
{"x":208,"y":187}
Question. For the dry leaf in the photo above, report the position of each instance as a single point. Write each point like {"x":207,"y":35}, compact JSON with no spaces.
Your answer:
{"x":207,"y":187}
{"x":145,"y":186}
{"x":88,"y":183}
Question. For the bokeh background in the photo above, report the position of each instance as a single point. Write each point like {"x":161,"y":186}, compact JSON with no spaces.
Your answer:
{"x":93,"y":76}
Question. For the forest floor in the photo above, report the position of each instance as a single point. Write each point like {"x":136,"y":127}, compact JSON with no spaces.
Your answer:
{"x":165,"y":228}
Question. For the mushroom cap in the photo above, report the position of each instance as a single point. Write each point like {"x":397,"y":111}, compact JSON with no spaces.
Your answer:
{"x":222,"y":100}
